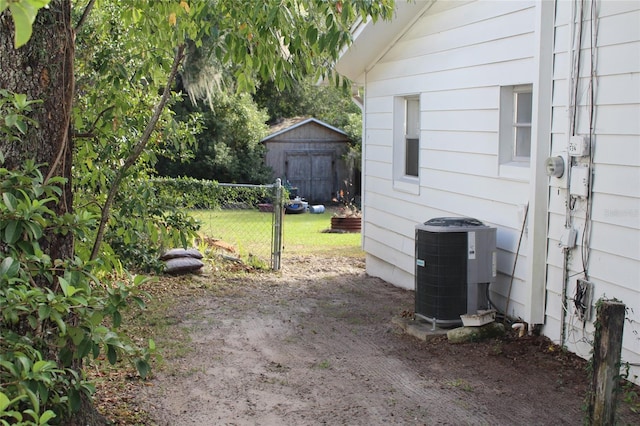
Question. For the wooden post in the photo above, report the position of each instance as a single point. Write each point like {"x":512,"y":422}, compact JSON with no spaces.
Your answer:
{"x":607,"y":348}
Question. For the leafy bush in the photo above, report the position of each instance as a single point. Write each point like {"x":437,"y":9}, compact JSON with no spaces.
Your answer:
{"x":52,"y":311}
{"x":144,"y":223}
{"x":188,"y":192}
{"x":206,"y":194}
{"x":228,"y":144}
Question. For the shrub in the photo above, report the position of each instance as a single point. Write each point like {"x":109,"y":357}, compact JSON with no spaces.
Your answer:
{"x":145,"y":221}
{"x":52,"y":311}
{"x":206,"y":194}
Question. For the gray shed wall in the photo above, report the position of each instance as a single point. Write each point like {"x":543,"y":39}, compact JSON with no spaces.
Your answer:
{"x":310,"y":157}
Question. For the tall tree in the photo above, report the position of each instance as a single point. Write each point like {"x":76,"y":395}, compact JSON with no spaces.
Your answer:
{"x":278,"y":40}
{"x":43,"y":70}
{"x":228,"y":148}
{"x":329,"y":103}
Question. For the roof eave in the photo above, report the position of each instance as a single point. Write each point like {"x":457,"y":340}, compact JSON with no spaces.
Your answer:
{"x":302,"y":123}
{"x":372,"y":40}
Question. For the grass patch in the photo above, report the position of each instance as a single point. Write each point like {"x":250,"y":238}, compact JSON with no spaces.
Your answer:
{"x":303,"y":234}
{"x":460,"y":384}
{"x":324,"y":364}
{"x":248,"y":231}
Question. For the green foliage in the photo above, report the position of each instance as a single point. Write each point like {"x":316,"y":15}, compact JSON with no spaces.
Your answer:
{"x":15,"y":107}
{"x":52,"y":311}
{"x":282,"y":41}
{"x":192,"y":193}
{"x":118,"y":86}
{"x":330,"y":104}
{"x":630,"y":392}
{"x":189,"y":193}
{"x":228,"y":148}
{"x":148,"y":222}
{"x":23,"y":13}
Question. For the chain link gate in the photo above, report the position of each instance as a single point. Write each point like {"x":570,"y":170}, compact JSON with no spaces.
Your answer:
{"x":247,"y":230}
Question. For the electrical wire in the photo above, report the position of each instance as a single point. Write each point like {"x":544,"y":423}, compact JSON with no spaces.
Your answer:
{"x":576,"y":72}
{"x":577,"y":21}
{"x":586,"y":234}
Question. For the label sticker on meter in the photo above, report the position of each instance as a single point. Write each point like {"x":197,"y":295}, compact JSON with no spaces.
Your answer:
{"x":471,"y":240}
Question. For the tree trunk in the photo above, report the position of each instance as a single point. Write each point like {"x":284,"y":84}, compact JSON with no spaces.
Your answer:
{"x":43,"y":69}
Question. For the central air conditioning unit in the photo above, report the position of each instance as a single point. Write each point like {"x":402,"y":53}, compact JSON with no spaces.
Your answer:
{"x":455,"y":264}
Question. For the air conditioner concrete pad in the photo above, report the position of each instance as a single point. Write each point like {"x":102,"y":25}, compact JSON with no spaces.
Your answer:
{"x":474,"y":334}
{"x":418,"y":328}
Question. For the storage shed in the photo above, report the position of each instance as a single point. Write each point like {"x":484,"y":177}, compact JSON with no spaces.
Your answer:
{"x":309,"y":154}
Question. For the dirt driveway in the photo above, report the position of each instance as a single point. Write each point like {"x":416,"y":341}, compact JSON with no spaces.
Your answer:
{"x":315,"y":345}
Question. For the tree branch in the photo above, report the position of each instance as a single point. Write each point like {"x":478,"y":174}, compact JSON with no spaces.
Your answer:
{"x":89,"y":133}
{"x":137,"y":150}
{"x":85,"y":15}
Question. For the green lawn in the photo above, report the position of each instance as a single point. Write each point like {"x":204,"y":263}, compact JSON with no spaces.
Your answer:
{"x":303,"y":235}
{"x":250,"y":232}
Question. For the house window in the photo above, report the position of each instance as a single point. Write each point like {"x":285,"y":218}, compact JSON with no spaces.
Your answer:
{"x":515,"y":129}
{"x":522,"y":124}
{"x":412,"y":136}
{"x":406,"y":146}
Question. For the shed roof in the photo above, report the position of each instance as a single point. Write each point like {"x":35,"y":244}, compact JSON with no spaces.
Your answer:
{"x":289,"y":124}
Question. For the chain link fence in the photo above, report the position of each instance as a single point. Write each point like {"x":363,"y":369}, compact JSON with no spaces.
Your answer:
{"x":247,"y":226}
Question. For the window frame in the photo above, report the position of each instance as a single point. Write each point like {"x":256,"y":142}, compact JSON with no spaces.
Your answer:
{"x":406,"y":143}
{"x":517,"y":125}
{"x":510,"y":163}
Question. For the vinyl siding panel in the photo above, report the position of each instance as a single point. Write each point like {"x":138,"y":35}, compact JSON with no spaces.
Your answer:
{"x":463,"y":141}
{"x":468,"y":163}
{"x":613,"y":234}
{"x":617,"y":179}
{"x":469,"y":23}
{"x":456,"y":57}
{"x":379,"y":169}
{"x":461,"y":120}
{"x":502,"y":191}
{"x":518,"y":71}
{"x":474,"y":98}
{"x":378,"y":153}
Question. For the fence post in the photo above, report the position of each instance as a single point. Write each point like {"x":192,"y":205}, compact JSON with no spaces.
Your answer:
{"x":276,"y":249}
{"x":607,"y":348}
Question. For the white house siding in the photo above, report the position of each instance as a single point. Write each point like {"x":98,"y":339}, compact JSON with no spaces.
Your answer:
{"x":456,"y":56}
{"x":614,"y":257}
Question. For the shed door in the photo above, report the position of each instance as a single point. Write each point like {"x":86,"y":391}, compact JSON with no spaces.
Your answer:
{"x":312,"y":172}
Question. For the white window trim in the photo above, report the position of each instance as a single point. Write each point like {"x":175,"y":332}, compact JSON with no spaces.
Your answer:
{"x":402,"y":181}
{"x":510,"y":166}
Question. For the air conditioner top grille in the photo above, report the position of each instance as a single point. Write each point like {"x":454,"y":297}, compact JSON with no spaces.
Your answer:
{"x":451,"y":224}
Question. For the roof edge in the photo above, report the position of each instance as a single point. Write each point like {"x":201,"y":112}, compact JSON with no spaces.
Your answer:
{"x":302,"y":123}
{"x":368,"y":36}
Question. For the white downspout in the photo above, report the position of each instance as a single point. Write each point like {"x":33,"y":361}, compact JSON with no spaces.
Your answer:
{"x":536,"y":260}
{"x":361,"y":102}
{"x":363,"y":162}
